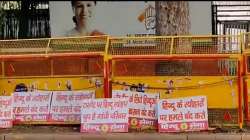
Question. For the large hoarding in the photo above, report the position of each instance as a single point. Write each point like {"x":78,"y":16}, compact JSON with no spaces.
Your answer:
{"x":113,"y":18}
{"x":117,"y":18}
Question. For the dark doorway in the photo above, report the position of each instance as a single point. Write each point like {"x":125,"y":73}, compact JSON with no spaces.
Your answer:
{"x":24,"y":19}
{"x":230,"y":17}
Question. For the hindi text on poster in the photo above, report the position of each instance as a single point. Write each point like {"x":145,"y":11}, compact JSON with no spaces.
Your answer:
{"x":104,"y":115}
{"x":142,"y":108}
{"x":66,"y":105}
{"x":31,"y":106}
{"x":6,"y":114}
{"x":184,"y":114}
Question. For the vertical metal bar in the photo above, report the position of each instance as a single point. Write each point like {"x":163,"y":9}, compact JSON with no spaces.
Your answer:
{"x":216,"y":19}
{"x":47,"y":48}
{"x":245,"y":90}
{"x":106,"y":70}
{"x":3,"y":70}
{"x":239,"y":82}
{"x":112,"y":69}
{"x":109,"y":76}
{"x":172,"y":45}
{"x":213,"y":18}
{"x":51,"y":66}
{"x":242,"y":42}
{"x":106,"y":80}
{"x":248,"y":25}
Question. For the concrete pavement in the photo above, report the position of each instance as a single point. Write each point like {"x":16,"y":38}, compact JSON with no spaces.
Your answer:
{"x":125,"y":136}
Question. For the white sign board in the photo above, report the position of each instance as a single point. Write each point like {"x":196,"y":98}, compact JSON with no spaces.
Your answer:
{"x":66,"y":105}
{"x":6,"y":113}
{"x":31,"y":106}
{"x":104,"y":115}
{"x":183,"y":114}
{"x":142,"y":107}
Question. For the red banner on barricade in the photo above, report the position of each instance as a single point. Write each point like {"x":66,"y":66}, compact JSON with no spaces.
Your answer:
{"x":104,"y":115}
{"x":6,"y":114}
{"x":142,"y":108}
{"x":31,"y":106}
{"x":66,"y":106}
{"x":183,"y":114}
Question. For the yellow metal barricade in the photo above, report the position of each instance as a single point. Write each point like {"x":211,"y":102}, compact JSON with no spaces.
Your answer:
{"x":174,"y":66}
{"x":182,"y":66}
{"x":246,"y":73}
{"x":53,"y":64}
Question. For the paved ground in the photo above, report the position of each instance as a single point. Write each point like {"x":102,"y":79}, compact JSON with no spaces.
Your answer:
{"x":124,"y":136}
{"x":31,"y":132}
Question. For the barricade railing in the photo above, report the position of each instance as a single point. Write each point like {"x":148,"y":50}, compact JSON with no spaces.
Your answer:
{"x":124,"y":61}
{"x":52,"y":64}
{"x":246,"y":73}
{"x":168,"y":45}
{"x":150,"y":63}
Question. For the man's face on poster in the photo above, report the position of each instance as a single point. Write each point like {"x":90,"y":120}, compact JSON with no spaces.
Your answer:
{"x":83,"y":11}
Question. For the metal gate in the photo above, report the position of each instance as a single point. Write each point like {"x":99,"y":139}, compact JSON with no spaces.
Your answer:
{"x":230,"y":17}
{"x":24,"y":19}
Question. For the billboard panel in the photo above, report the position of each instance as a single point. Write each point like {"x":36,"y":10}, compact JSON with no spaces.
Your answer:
{"x":118,"y":18}
{"x":113,"y":18}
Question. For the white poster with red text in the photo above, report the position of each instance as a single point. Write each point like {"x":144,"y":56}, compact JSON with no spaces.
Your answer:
{"x":104,"y":115}
{"x":142,"y":108}
{"x":31,"y":106}
{"x":66,"y":105}
{"x":183,"y":114}
{"x":6,"y":114}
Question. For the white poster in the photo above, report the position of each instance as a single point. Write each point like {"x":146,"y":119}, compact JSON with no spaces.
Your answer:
{"x":141,"y":105}
{"x":31,"y":106}
{"x":183,"y":114}
{"x":104,"y":115}
{"x":66,"y":105}
{"x":6,"y":113}
{"x":142,"y":108}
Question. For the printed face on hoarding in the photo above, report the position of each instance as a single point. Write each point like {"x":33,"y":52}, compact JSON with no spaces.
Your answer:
{"x":83,"y":12}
